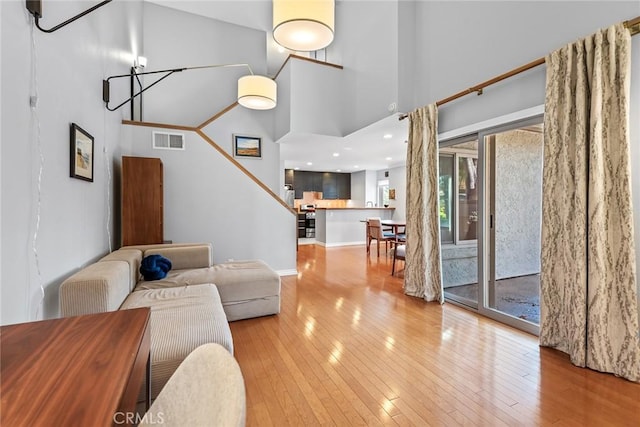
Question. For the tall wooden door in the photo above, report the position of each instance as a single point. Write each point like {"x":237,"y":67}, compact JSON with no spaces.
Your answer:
{"x":142,"y":201}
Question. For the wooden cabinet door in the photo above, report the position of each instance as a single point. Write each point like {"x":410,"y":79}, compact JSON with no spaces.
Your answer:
{"x":142,"y":201}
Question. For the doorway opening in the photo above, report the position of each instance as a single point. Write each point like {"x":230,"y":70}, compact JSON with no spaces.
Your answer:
{"x":383,"y":193}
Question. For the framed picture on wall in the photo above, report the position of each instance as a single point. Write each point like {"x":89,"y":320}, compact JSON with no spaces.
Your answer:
{"x":392,"y":194}
{"x":81,"y":154}
{"x":247,"y":146}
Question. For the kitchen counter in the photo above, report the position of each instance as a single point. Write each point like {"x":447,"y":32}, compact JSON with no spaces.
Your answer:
{"x":345,"y":226}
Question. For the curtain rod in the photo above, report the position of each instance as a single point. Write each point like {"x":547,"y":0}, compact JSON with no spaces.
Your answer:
{"x":634,"y":28}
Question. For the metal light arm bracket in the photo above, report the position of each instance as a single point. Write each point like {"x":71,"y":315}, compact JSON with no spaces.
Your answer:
{"x":167,"y":73}
{"x":35,"y":8}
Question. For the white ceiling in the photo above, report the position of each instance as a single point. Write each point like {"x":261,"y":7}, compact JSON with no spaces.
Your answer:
{"x":366,"y":148}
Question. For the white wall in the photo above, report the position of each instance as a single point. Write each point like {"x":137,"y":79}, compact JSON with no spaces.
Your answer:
{"x":283,"y":109}
{"x":398,"y":181}
{"x":76,"y":217}
{"x":179,"y":39}
{"x":243,"y":121}
{"x":371,"y":186}
{"x":407,"y":56}
{"x":208,"y":199}
{"x":461,"y":44}
{"x":366,"y":44}
{"x":358,"y":188}
{"x":317,"y":99}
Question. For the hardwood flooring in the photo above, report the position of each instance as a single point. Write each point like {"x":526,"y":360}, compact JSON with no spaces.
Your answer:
{"x":349,"y":348}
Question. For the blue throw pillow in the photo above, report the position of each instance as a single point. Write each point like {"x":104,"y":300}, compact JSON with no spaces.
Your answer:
{"x":154,"y":267}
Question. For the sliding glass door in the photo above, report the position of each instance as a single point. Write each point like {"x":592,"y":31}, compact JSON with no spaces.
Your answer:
{"x":513,"y":159}
{"x":490,"y":219}
{"x":458,"y":209}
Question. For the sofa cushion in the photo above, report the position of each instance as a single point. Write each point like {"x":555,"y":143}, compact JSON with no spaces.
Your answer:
{"x":236,"y":281}
{"x":182,"y":318}
{"x":179,"y":278}
{"x":184,"y":257}
{"x":98,"y":288}
{"x":133,"y":257}
{"x":245,"y":280}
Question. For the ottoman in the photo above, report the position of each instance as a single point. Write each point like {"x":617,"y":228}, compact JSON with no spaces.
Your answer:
{"x":247,"y":289}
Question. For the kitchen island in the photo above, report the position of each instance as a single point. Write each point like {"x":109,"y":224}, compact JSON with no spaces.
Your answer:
{"x":346,"y":226}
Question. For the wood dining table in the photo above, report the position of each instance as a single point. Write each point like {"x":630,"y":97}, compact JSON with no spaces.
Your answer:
{"x":394,"y":224}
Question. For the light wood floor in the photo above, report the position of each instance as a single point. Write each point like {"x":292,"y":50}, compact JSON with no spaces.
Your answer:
{"x":349,"y":348}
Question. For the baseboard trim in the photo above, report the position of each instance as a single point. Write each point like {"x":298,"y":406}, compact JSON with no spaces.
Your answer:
{"x":335,"y":245}
{"x":291,"y":272}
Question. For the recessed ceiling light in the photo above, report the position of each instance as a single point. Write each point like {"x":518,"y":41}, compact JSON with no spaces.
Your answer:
{"x":296,"y":168}
{"x":356,"y":166}
{"x":388,"y":158}
{"x":309,"y":163}
{"x":348,"y":148}
{"x":387,"y":136}
{"x":338,"y":170}
{"x":336,"y":154}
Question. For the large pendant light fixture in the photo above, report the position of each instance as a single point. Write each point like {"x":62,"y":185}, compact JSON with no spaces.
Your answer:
{"x":303,"y":25}
{"x":257,"y":92}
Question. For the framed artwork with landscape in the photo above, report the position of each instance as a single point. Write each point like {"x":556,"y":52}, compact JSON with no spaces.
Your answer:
{"x":247,"y":146}
{"x":81,"y":154}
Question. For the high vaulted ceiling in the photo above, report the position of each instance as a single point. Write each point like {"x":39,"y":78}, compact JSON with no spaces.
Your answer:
{"x":365,"y":149}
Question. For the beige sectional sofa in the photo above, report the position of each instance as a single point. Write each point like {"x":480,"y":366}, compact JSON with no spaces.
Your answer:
{"x":190,"y":307}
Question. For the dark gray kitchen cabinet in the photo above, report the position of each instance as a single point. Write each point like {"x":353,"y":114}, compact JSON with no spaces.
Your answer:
{"x":344,"y":185}
{"x":301,"y":182}
{"x":288,"y":177}
{"x":333,"y":185}
{"x":329,"y":185}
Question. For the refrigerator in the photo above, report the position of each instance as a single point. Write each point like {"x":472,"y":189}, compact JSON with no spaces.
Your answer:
{"x":289,"y":196}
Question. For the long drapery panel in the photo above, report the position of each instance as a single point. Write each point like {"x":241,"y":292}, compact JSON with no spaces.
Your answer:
{"x":423,"y":266}
{"x":588,"y":294}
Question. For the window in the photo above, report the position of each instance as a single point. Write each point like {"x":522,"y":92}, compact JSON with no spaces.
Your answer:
{"x":458,"y":197}
{"x":446,"y":198}
{"x":467,"y":197}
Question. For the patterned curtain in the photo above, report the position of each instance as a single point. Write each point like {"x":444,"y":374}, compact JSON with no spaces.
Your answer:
{"x":423,"y":268}
{"x":588,"y":289}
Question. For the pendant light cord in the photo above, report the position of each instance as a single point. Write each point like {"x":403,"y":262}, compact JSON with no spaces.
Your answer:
{"x":36,"y":141}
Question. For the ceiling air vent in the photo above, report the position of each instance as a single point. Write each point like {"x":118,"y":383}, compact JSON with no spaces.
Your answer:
{"x":168,"y":141}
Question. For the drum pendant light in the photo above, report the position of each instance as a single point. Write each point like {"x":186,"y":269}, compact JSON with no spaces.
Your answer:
{"x":303,"y":25}
{"x":257,"y":92}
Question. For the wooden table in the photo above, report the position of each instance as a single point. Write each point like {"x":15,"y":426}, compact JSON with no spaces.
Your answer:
{"x":84,"y":370}
{"x":393,"y":224}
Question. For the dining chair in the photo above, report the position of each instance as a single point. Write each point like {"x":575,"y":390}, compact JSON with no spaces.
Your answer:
{"x":401,"y":234}
{"x":398,"y":254}
{"x":207,"y":389}
{"x":375,"y":232}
